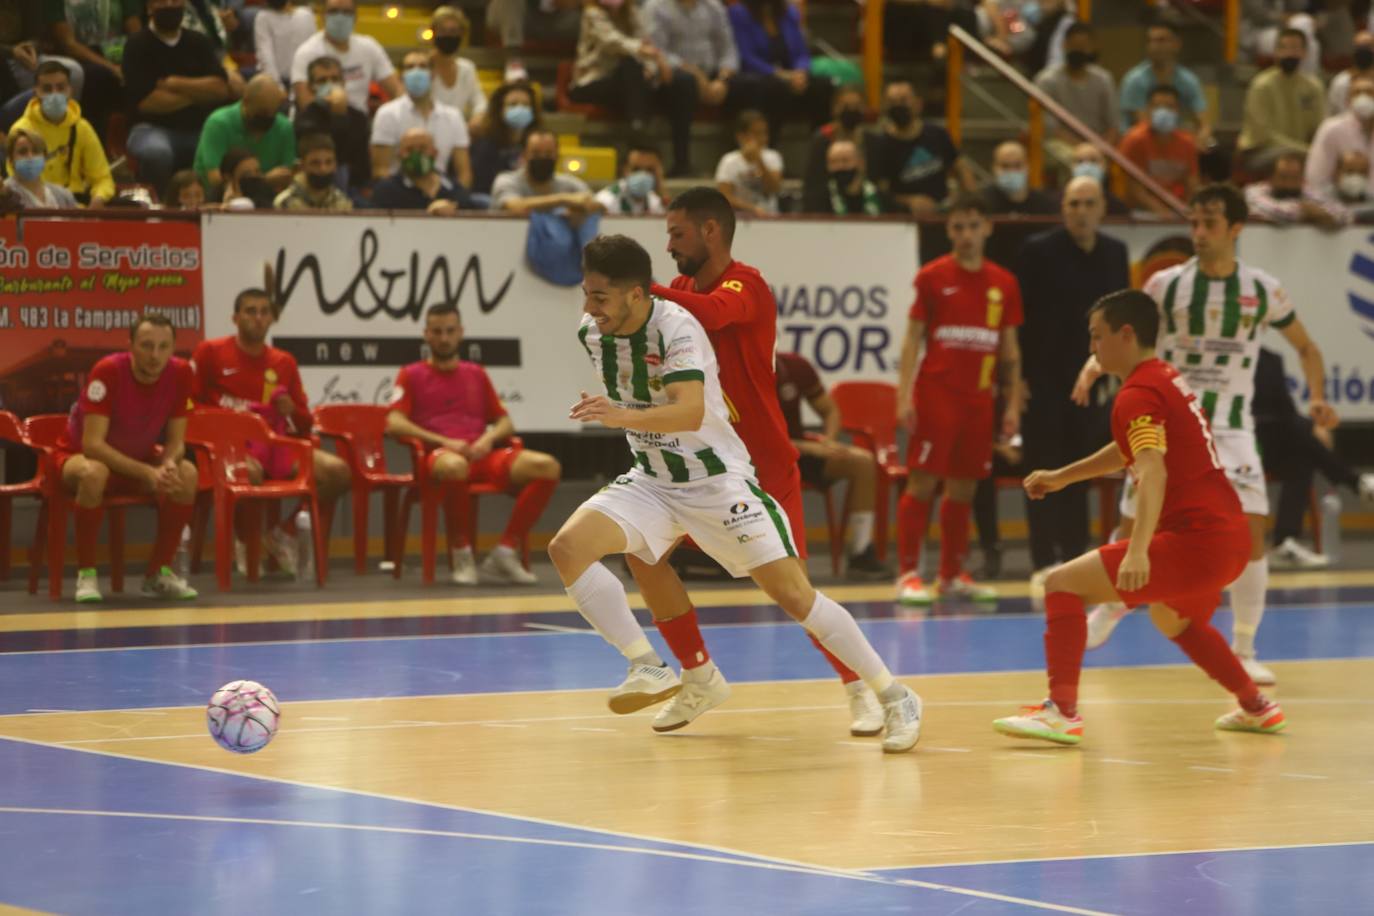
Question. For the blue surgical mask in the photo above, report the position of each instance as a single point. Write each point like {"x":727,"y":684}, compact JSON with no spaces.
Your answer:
{"x":639,"y":184}
{"x":54,"y":106}
{"x":417,"y":82}
{"x":30,"y":168}
{"x":518,"y":117}
{"x":1089,"y":170}
{"x":338,"y":26}
{"x":1011,"y":182}
{"x":1164,"y":120}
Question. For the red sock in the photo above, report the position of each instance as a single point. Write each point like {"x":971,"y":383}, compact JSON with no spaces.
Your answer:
{"x":954,"y":518}
{"x":1066,"y":638}
{"x":87,"y":533}
{"x":171,"y":521}
{"x":529,"y":505}
{"x":846,"y":674}
{"x":1208,"y":649}
{"x":913,"y":518}
{"x":683,"y":637}
{"x":456,"y":506}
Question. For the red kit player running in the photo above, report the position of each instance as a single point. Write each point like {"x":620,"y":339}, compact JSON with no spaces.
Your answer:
{"x":966,"y":313}
{"x":1190,"y":539}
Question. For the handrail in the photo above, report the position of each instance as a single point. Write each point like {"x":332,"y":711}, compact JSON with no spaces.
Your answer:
{"x":1231,"y":31}
{"x":873,"y":52}
{"x":1040,"y":103}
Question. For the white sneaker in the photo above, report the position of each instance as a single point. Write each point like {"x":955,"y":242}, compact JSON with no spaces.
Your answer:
{"x":168,"y":585}
{"x":503,"y":565}
{"x":88,"y":587}
{"x":1291,"y":554}
{"x":902,"y":718}
{"x":464,"y":567}
{"x":865,"y":712}
{"x":911,"y":590}
{"x":1259,"y":673}
{"x":1367,"y":487}
{"x":282,"y":548}
{"x":963,"y":588}
{"x":643,"y":686}
{"x":1102,"y":620}
{"x":698,"y":694}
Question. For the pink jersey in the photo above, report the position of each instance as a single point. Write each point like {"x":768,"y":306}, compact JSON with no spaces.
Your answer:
{"x":138,"y":413}
{"x":458,"y":403}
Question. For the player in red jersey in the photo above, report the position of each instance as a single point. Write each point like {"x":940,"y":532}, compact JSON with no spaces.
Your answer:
{"x":966,"y":313}
{"x":132,"y":402}
{"x":1190,"y":539}
{"x":244,"y":372}
{"x":451,"y":405}
{"x":736,"y":307}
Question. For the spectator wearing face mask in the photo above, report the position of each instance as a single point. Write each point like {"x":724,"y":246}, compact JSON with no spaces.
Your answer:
{"x":315,"y":188}
{"x":330,"y":113}
{"x":278,"y":32}
{"x":1263,"y":22}
{"x":537,"y":184}
{"x":1362,"y":65}
{"x":362,"y":60}
{"x":497,"y":145}
{"x":417,"y":108}
{"x":255,"y":124}
{"x":1285,"y":199}
{"x":1161,"y":68}
{"x":455,"y":77}
{"x":751,"y":177}
{"x":640,"y":187}
{"x":419,"y":185}
{"x":1350,"y":131}
{"x":1160,"y":149}
{"x":184,"y":192}
{"x":76,"y":159}
{"x":1283,"y":107}
{"x":1350,"y":186}
{"x":848,"y":190}
{"x":27,"y":155}
{"x":1083,"y":89}
{"x":243,"y":186}
{"x":1088,"y":162}
{"x":1010,"y":193}
{"x":910,"y":159}
{"x":847,"y":124}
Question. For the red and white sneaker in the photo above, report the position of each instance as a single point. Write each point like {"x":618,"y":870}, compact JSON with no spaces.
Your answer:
{"x":963,"y":587}
{"x":1268,"y":721}
{"x":1044,"y":722}
{"x":911,"y":590}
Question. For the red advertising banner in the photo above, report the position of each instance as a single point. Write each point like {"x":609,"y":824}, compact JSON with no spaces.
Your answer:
{"x":71,"y":288}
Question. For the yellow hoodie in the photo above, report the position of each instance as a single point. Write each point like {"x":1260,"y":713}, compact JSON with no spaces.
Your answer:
{"x":81,"y":170}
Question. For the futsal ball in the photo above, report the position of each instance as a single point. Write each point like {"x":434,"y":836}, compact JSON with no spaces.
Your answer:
{"x":243,"y":716}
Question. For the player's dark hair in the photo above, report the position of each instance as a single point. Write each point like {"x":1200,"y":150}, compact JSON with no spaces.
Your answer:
{"x":969,"y":202}
{"x":441,"y":309}
{"x":702,"y":203}
{"x":620,"y":259}
{"x":1133,"y":307}
{"x":1228,"y":195}
{"x":251,"y":292}
{"x":1165,"y":89}
{"x":153,"y":318}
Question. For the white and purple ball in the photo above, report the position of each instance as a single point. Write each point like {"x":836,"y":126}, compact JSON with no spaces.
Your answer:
{"x":243,"y":716}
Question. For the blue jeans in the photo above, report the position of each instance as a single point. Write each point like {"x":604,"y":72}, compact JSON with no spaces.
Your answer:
{"x":160,"y":151}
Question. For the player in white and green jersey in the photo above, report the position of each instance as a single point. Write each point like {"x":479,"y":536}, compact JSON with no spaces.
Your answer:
{"x":691,"y":477}
{"x":1215,"y":310}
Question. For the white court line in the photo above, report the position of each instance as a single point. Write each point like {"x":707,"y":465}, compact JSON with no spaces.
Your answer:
{"x":554,"y":628}
{"x":1134,"y":763}
{"x":1302,"y":776}
{"x":1213,"y":769}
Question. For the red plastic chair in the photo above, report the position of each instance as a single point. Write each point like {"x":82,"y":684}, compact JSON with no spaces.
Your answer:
{"x":11,"y":430}
{"x":834,"y":528}
{"x":868,"y":412}
{"x":431,"y":494}
{"x":222,"y":436}
{"x":360,"y":431}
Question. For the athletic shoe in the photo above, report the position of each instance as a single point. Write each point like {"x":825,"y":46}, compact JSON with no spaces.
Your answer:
{"x":911,"y":590}
{"x":866,"y":565}
{"x":1293,"y":555}
{"x":1367,"y":487}
{"x":168,"y":585}
{"x":698,"y":694}
{"x":464,"y":567}
{"x":1102,"y":620}
{"x":1044,"y":722}
{"x":88,"y":587}
{"x":902,"y":719}
{"x":282,"y":548}
{"x":1267,"y":721}
{"x":1260,"y":674}
{"x":962,"y":587}
{"x":503,"y":564}
{"x":643,"y":686}
{"x":865,"y":712}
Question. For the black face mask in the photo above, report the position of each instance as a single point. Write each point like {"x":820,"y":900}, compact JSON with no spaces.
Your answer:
{"x":843,"y":178}
{"x":541,"y":170}
{"x":277,"y":4}
{"x":1364,"y":58}
{"x":259,"y":124}
{"x":1286,"y":193}
{"x":901,"y":115}
{"x":447,"y":44}
{"x":168,"y":19}
{"x":1289,"y":65}
{"x":1077,"y":60}
{"x":255,"y":188}
{"x":850,"y":118}
{"x":319,"y":181}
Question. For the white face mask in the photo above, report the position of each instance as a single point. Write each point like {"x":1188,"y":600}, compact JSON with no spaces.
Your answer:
{"x":1363,"y":106}
{"x":1352,"y":185}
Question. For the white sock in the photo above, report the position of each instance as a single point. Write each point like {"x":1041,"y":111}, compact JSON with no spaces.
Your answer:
{"x":860,"y":532}
{"x":1247,"y":602}
{"x":601,"y":600}
{"x":838,"y":632}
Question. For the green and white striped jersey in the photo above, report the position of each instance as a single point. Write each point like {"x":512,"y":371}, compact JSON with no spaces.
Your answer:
{"x":1211,"y":333}
{"x":671,"y":347}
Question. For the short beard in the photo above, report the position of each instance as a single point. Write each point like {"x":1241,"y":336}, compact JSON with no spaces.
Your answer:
{"x":689,"y":267}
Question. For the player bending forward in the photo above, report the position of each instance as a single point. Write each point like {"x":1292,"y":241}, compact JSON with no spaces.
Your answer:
{"x":1189,"y":542}
{"x":662,"y":387}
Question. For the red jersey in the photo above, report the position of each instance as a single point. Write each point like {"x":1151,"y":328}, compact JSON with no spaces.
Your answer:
{"x":138,"y":413}
{"x":458,"y":403}
{"x":797,"y":381}
{"x":226,"y":376}
{"x":965,"y":312}
{"x":1156,"y":409}
{"x":741,"y":320}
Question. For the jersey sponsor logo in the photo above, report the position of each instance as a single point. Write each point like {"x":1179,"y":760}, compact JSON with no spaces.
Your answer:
{"x":733,"y":285}
{"x":96,"y":391}
{"x":230,"y":370}
{"x":738,"y":508}
{"x":949,"y":290}
{"x":652,"y":359}
{"x":967,"y":337}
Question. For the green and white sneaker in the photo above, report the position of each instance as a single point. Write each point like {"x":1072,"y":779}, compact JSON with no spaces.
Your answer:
{"x":88,"y":587}
{"x":962,"y":587}
{"x":1044,"y":722}
{"x":1268,"y":721}
{"x":168,"y":586}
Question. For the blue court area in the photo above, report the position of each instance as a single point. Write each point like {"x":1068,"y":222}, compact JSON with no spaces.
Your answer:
{"x":86,"y":830}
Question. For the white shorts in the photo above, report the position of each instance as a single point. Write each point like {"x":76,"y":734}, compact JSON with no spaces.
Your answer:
{"x":729,"y":517}
{"x":1239,"y":459}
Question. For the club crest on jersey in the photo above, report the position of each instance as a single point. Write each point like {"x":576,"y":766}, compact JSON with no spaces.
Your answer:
{"x":655,"y":383}
{"x":737,"y":508}
{"x":95,"y":391}
{"x":270,"y":375}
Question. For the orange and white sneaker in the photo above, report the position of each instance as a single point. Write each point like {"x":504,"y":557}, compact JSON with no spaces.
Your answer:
{"x":1268,"y":721}
{"x":911,"y":590}
{"x":963,"y":587}
{"x":1044,"y":722}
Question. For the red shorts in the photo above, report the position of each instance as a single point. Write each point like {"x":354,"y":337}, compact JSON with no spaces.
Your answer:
{"x":117,"y":485}
{"x":953,"y":436}
{"x":1189,"y":567}
{"x":493,"y":469}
